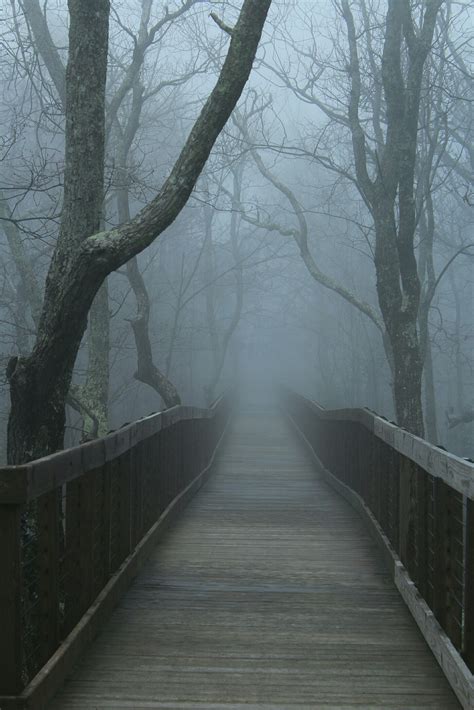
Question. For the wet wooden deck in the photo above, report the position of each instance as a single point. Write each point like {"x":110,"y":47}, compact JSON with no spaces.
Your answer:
{"x":267,"y":593}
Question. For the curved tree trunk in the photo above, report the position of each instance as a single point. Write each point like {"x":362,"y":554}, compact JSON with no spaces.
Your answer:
{"x":147,"y":372}
{"x":84,"y":257}
{"x":40,"y":383}
{"x":95,"y":391}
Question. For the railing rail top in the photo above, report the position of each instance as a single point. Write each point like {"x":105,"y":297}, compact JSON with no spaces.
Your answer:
{"x":20,"y":484}
{"x":453,"y":470}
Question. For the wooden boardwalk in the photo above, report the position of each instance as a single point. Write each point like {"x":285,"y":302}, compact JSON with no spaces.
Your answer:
{"x":267,"y":593}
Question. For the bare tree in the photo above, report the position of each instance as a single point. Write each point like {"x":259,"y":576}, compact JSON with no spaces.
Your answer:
{"x":83,"y":256}
{"x":382,"y":120}
{"x":301,"y":234}
{"x":390,"y":194}
{"x":220,"y":341}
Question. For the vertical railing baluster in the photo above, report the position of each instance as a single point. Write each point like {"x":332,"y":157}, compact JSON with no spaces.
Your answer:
{"x":135,"y":495}
{"x":107,"y":530}
{"x":86,"y":540}
{"x":71,"y":565}
{"x":421,"y":533}
{"x":429,"y":522}
{"x":469,"y":587}
{"x":395,"y":498}
{"x":48,"y":521}
{"x":11,"y":629}
{"x":405,"y":510}
{"x":64,"y":532}
{"x":443,"y":593}
{"x":383,"y":485}
{"x":125,"y":506}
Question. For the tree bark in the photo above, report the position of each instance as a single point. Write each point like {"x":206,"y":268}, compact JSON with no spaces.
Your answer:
{"x":91,"y":399}
{"x":390,"y":195}
{"x":83,"y":257}
{"x":29,"y":283}
{"x":427,"y":275}
{"x":147,"y":372}
{"x":39,"y":384}
{"x":400,"y":313}
{"x":95,"y":391}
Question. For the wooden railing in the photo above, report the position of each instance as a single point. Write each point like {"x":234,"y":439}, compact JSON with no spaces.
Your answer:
{"x":419,"y":502}
{"x":74,"y":528}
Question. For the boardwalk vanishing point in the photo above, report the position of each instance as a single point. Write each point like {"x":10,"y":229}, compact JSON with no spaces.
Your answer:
{"x":267,"y":592}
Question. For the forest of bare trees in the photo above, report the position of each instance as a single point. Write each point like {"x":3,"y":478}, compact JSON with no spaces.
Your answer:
{"x":193,"y":193}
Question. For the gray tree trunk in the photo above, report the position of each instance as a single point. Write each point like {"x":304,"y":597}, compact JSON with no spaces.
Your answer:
{"x":84,"y":257}
{"x":39,"y":384}
{"x":390,"y":195}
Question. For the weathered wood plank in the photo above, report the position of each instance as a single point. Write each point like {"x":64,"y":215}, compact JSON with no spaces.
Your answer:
{"x":267,"y":593}
{"x":20,"y":484}
{"x":63,"y":556}
{"x":460,"y":678}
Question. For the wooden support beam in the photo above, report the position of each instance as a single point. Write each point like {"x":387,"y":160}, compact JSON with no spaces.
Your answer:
{"x":10,"y":600}
{"x":469,"y":588}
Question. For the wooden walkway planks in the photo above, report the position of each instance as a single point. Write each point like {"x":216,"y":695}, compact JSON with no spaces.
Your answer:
{"x":267,"y":593}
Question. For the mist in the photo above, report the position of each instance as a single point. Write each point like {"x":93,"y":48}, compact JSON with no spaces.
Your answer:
{"x":236,"y":335}
{"x":273,"y":271}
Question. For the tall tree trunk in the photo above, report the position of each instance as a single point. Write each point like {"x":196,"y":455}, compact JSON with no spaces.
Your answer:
{"x":431,"y":419}
{"x":39,"y":384}
{"x":390,"y":196}
{"x":458,"y":345}
{"x":210,"y":273}
{"x":91,"y":399}
{"x":147,"y":371}
{"x":95,"y":392}
{"x":84,"y":256}
{"x":455,"y":435}
{"x":400,"y":314}
{"x":223,"y":344}
{"x":427,"y":274}
{"x":407,"y":377}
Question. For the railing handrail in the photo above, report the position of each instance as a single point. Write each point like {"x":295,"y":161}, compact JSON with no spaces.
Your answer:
{"x":76,"y":526}
{"x":418,"y":503}
{"x":456,"y":472}
{"x":22,"y":484}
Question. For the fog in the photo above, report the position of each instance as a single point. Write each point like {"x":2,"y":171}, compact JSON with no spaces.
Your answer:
{"x":282,"y":268}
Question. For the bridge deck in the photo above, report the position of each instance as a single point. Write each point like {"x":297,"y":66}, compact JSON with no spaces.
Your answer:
{"x":267,"y":593}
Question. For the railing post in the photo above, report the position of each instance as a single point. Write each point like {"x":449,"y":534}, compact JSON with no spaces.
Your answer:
{"x":135,"y":497}
{"x":444,"y":596}
{"x":421,"y":532}
{"x":71,"y":567}
{"x":125,"y":506}
{"x":10,"y":600}
{"x":469,"y":588}
{"x":48,"y":521}
{"x":441,"y":551}
{"x":86,"y":540}
{"x":405,"y":511}
{"x":394,"y":498}
{"x":383,"y":488}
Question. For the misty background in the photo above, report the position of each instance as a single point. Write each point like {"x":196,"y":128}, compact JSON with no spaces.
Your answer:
{"x":230,"y":296}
